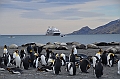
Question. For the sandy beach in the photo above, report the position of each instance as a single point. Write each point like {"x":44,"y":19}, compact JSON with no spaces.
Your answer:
{"x":32,"y":73}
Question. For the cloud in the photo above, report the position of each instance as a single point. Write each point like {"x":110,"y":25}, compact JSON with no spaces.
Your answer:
{"x":66,"y":15}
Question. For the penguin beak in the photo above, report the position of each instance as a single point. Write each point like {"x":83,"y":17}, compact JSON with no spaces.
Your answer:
{"x":88,"y":66}
{"x":8,"y":69}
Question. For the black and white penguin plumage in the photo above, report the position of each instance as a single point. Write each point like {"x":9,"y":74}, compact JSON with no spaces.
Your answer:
{"x":2,"y":66}
{"x":84,"y":65}
{"x":95,"y":60}
{"x":119,"y":67}
{"x":26,"y":62}
{"x":110,"y":59}
{"x":15,"y":70}
{"x":63,"y":59}
{"x":72,"y":58}
{"x":57,"y":65}
{"x":36,"y":62}
{"x":43,"y":60}
{"x":71,"y":68}
{"x":17,"y":60}
{"x":98,"y":69}
{"x":22,"y":54}
{"x":104,"y":58}
{"x":6,"y":60}
{"x":98,"y":54}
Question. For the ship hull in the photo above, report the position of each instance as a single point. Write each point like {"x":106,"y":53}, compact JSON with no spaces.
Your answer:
{"x":53,"y":34}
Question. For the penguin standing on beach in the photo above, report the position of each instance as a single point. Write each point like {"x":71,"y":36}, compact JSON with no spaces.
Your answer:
{"x":36,"y":61}
{"x":84,"y":65}
{"x":26,"y":62}
{"x":9,"y":60}
{"x":22,"y":54}
{"x":95,"y":60}
{"x":57,"y":65}
{"x":6,"y":60}
{"x":32,"y":57}
{"x":63,"y":59}
{"x":43,"y":60}
{"x":71,"y":68}
{"x":17,"y":60}
{"x":119,"y":67}
{"x":98,"y":69}
{"x":110,"y":59}
{"x":104,"y":58}
{"x":72,"y":57}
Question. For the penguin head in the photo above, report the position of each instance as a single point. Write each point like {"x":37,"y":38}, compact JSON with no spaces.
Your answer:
{"x":57,"y":55}
{"x":16,"y":51}
{"x":9,"y":69}
{"x":88,"y":66}
{"x":113,"y":54}
{"x":36,"y":54}
{"x":100,"y":50}
{"x":39,"y":69}
{"x":5,"y":46}
{"x":61,"y":55}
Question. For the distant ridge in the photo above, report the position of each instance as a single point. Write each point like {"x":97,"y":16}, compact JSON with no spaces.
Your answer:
{"x":112,"y":27}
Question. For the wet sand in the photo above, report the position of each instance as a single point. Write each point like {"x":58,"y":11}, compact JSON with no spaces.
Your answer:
{"x":32,"y":73}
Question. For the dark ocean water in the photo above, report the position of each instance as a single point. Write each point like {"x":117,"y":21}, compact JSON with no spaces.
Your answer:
{"x":83,"y":39}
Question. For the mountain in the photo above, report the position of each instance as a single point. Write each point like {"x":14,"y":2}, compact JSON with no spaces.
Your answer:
{"x":112,"y":27}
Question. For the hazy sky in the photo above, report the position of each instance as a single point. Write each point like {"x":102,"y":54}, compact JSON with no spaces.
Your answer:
{"x":34,"y":16}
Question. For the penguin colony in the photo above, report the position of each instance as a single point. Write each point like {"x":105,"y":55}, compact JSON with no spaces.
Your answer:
{"x":18,"y":61}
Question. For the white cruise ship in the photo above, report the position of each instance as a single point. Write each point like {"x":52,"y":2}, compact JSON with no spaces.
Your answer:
{"x":53,"y":31}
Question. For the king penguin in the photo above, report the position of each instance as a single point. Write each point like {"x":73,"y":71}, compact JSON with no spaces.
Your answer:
{"x":71,"y":68}
{"x":43,"y":60}
{"x":104,"y":58}
{"x":57,"y":65}
{"x":15,"y":70}
{"x":36,"y":61}
{"x":63,"y":59}
{"x":95,"y":60}
{"x":110,"y":59}
{"x":98,"y":69}
{"x":17,"y":60}
{"x":84,"y":65}
{"x":26,"y":62}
